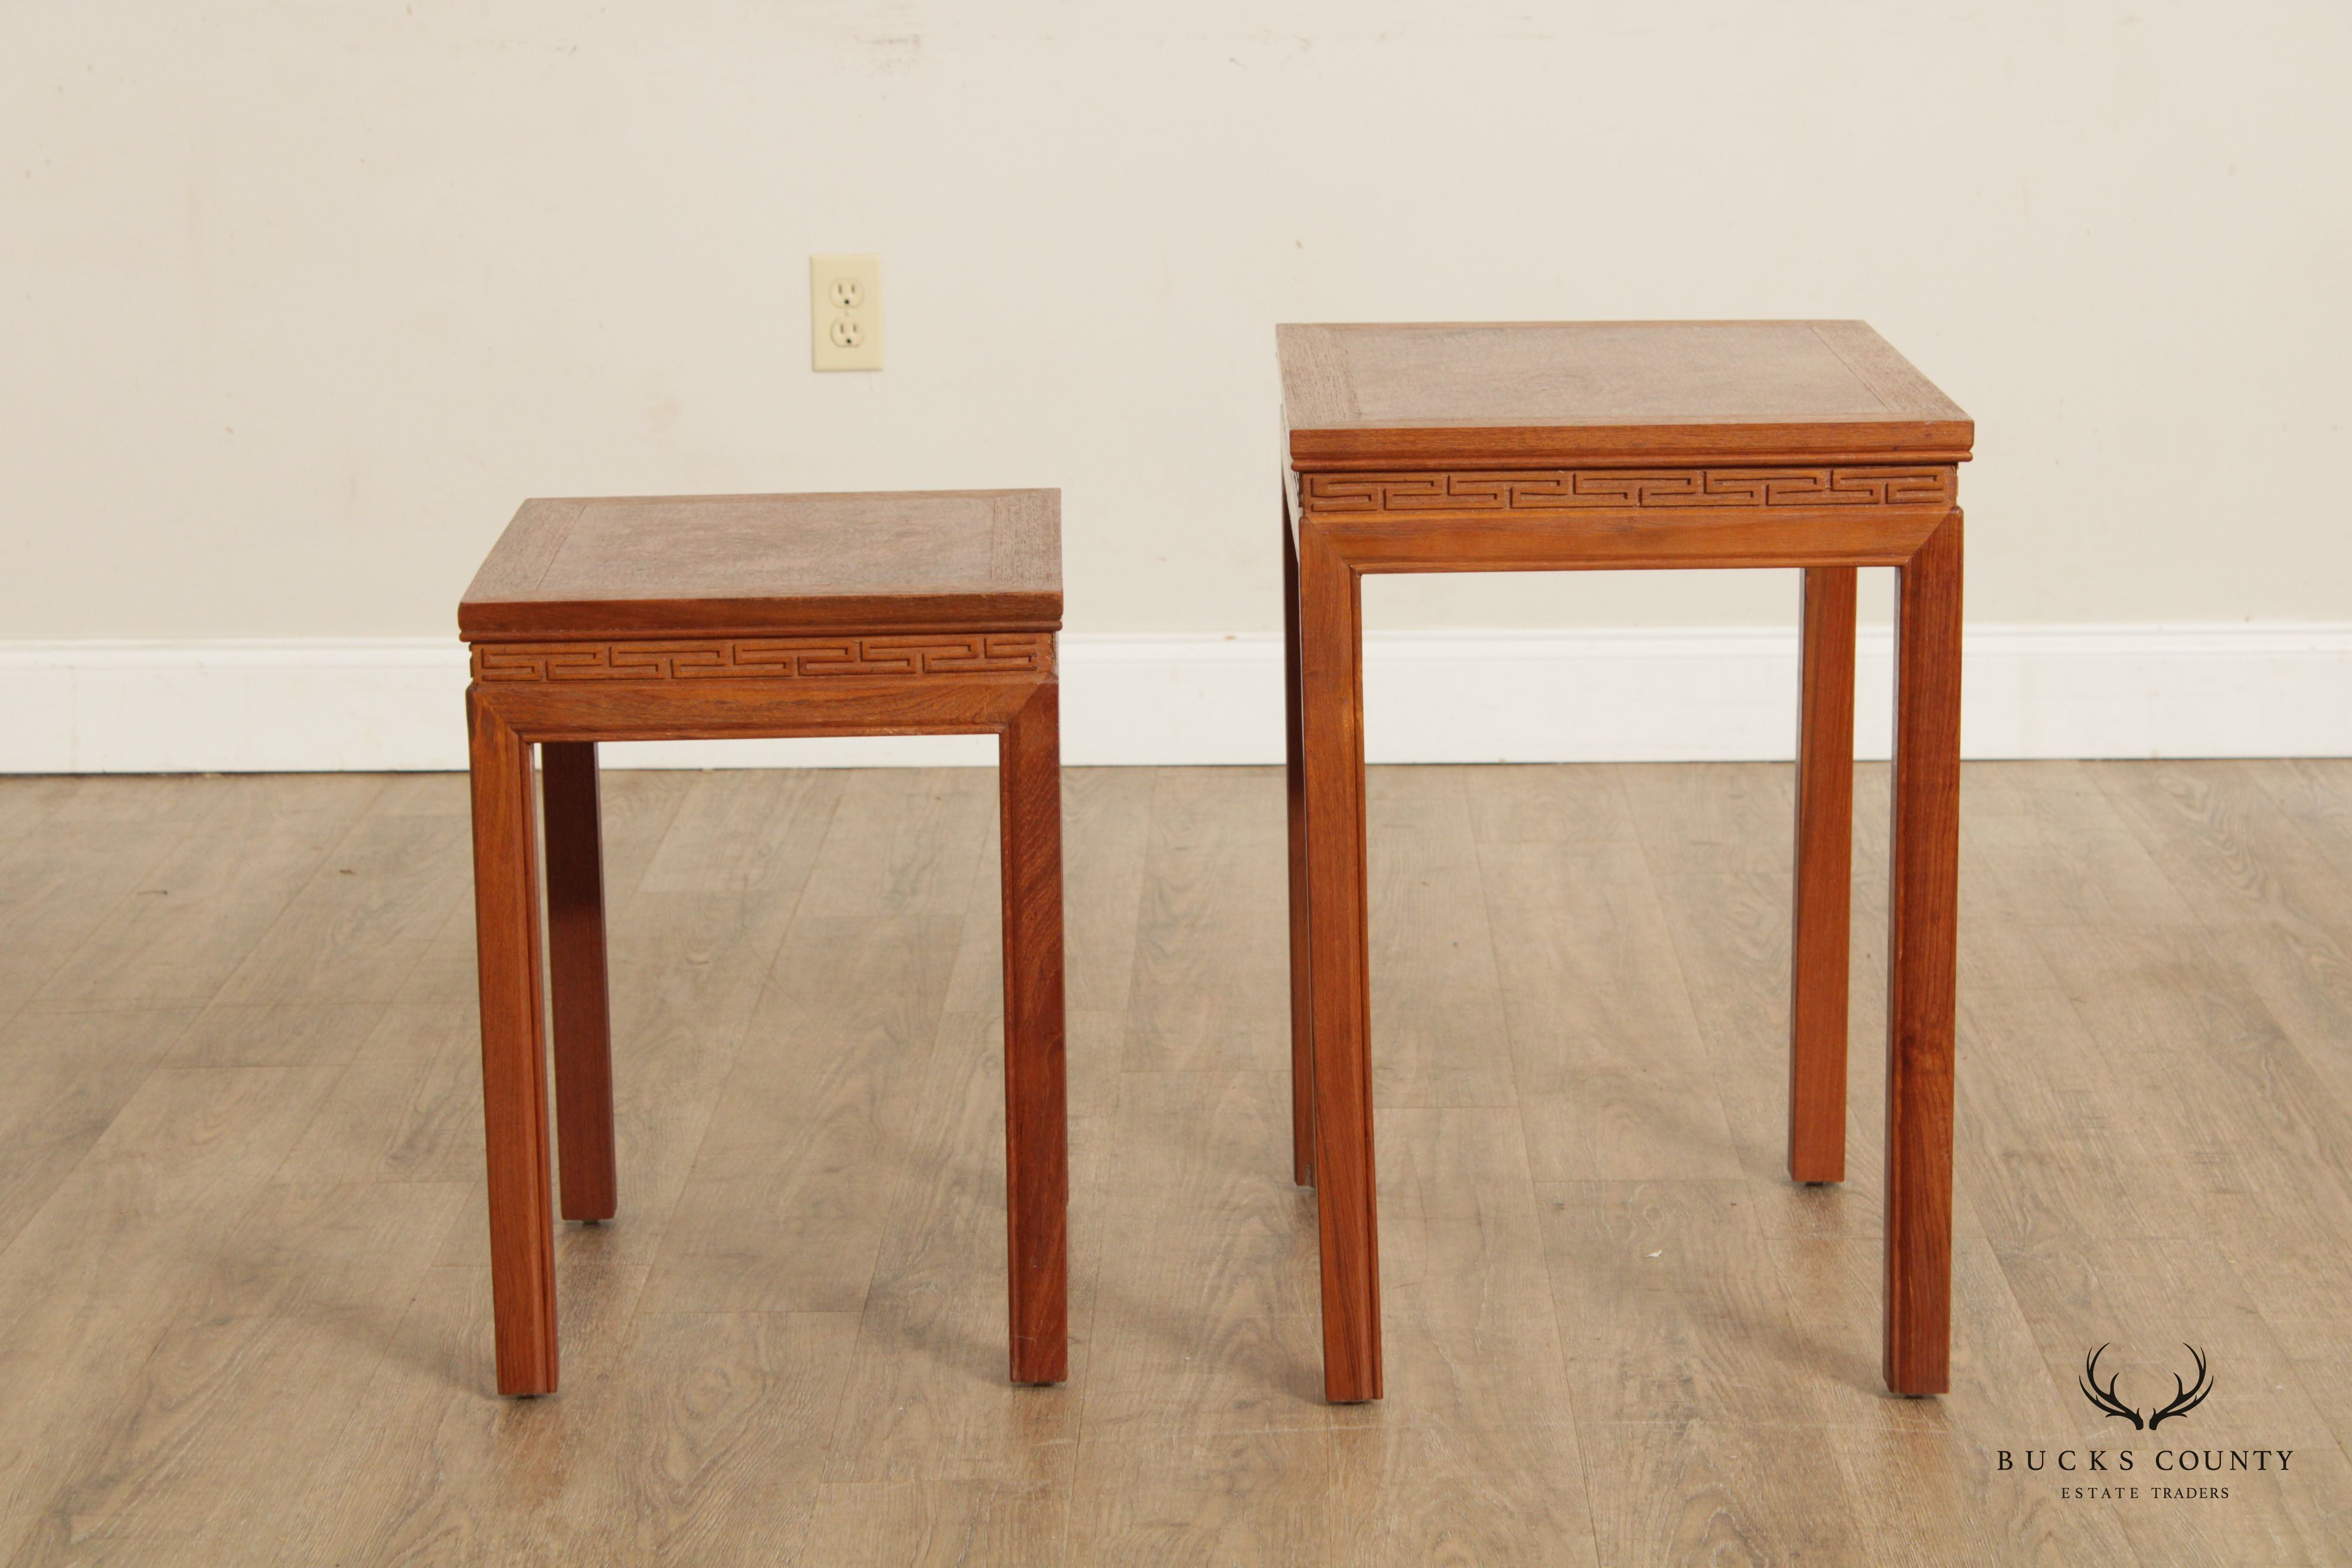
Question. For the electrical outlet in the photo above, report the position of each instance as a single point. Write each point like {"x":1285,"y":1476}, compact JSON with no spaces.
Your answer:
{"x":845,"y":313}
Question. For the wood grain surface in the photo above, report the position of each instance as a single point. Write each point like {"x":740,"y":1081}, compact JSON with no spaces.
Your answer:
{"x":244,"y":1278}
{"x":1524,"y":395}
{"x":765,"y":565}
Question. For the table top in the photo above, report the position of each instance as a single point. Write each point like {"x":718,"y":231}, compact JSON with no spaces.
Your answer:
{"x":663,"y":566}
{"x":1519,"y":393}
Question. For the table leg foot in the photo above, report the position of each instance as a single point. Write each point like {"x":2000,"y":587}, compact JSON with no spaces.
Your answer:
{"x":1302,"y":1006}
{"x":1922,"y":949}
{"x":587,"y":1179}
{"x":1818,"y":931}
{"x":514,"y":1097}
{"x":1332,"y":756}
{"x":1037,"y":1180}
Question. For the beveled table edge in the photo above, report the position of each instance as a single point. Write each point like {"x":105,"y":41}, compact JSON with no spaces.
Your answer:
{"x":523,"y":620}
{"x":1628,"y":443}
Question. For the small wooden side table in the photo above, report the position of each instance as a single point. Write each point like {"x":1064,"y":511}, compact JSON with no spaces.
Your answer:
{"x":710,"y":616}
{"x":1559,"y":446}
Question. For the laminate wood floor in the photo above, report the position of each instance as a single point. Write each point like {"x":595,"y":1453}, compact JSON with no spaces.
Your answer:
{"x":244,"y":1304}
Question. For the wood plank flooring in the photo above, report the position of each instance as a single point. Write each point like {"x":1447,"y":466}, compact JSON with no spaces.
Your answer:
{"x":244,"y":1306}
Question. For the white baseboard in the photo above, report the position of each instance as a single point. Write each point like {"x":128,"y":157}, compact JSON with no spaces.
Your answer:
{"x":1722,"y":694}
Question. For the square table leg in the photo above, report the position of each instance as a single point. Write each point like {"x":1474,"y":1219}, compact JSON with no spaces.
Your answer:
{"x":514,"y":1090}
{"x":1922,"y":958}
{"x":580,"y":1002}
{"x":1824,"y":903}
{"x":1036,"y":1154}
{"x":1332,"y":760}
{"x":1302,"y":1005}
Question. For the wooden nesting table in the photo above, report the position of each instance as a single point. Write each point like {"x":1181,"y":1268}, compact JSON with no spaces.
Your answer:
{"x":1568,"y":445}
{"x":710,"y":616}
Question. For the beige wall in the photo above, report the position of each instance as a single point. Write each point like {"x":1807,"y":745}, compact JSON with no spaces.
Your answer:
{"x":296,"y":302}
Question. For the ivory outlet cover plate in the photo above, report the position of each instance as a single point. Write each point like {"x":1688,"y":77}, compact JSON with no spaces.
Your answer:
{"x":845,"y":313}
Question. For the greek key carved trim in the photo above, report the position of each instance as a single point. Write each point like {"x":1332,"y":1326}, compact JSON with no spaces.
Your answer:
{"x":1578,"y":490}
{"x":768,"y":658}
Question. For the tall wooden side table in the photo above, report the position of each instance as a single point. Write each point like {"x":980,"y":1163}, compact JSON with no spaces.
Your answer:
{"x":712,"y":616}
{"x":1560,"y":446}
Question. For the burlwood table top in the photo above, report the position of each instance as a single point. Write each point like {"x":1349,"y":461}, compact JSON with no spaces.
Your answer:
{"x":753,"y":565}
{"x":1522,"y":394}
